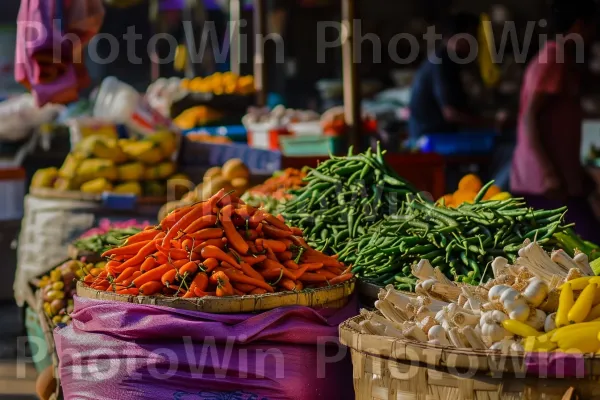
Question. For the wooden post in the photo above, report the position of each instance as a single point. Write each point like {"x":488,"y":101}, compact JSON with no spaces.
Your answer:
{"x":235,"y":18}
{"x":352,"y":100}
{"x":260,"y":66}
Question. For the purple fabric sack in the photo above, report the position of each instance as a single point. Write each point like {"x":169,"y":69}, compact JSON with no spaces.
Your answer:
{"x":128,"y":351}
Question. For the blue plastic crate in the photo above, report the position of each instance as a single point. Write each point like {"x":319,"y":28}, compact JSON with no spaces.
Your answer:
{"x":236,"y":133}
{"x":458,"y":143}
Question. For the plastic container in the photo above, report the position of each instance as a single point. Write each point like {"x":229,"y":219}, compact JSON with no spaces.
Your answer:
{"x":457,"y":143}
{"x":304,"y":146}
{"x":312,"y":128}
{"x":120,"y":103}
{"x":266,"y":136}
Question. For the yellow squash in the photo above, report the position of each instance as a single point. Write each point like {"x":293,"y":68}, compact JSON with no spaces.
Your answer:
{"x":519,"y":328}
{"x":565,"y":302}
{"x":583,"y":305}
{"x":128,"y":188}
{"x":583,"y":340}
{"x":44,"y":178}
{"x":579,"y":283}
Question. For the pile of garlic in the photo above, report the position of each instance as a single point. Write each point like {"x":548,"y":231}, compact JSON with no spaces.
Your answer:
{"x":521,"y":298}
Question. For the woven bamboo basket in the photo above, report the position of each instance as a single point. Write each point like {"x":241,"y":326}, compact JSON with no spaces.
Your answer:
{"x":47,"y":328}
{"x":329,"y":297}
{"x":393,"y":369}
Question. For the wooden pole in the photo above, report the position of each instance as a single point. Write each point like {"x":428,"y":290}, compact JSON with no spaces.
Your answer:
{"x":235,"y":18}
{"x":260,"y":66}
{"x":352,"y":109}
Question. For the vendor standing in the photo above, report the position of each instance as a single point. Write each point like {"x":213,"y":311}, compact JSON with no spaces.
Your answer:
{"x":439,"y":103}
{"x":546,"y":167}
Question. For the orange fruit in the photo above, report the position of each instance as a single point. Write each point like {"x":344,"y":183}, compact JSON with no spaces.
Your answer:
{"x":470,"y":183}
{"x":492,"y":191}
{"x":464,"y":196}
{"x":446,"y":200}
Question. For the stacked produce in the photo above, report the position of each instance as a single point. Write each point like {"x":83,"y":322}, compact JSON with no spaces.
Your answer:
{"x":274,"y":192}
{"x":278,"y":116}
{"x":59,"y":287}
{"x":103,"y":164}
{"x":233,"y":176}
{"x":221,"y":83}
{"x":101,"y":242}
{"x":219,"y":247}
{"x":468,"y":188}
{"x":344,"y":197}
{"x":462,"y":242}
{"x":540,"y":303}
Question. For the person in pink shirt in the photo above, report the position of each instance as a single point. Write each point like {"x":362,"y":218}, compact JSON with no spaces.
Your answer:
{"x":546,"y":168}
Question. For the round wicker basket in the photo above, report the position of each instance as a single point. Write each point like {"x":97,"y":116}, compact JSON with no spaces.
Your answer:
{"x":389,"y":368}
{"x":328,"y":297}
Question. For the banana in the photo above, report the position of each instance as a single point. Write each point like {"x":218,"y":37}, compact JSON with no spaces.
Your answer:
{"x":166,"y":140}
{"x":70,"y":166}
{"x":161,"y":171}
{"x":44,"y":178}
{"x":128,"y":188}
{"x":98,"y":186}
{"x":131,"y":171}
{"x":97,"y":168}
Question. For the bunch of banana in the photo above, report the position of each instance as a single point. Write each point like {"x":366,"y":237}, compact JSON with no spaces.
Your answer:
{"x":99,"y":164}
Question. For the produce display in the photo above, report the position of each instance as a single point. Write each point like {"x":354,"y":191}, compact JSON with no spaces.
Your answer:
{"x":103,"y":164}
{"x":221,"y":83}
{"x":279,"y":116}
{"x":462,"y":242}
{"x":542,"y":302}
{"x":344,"y":197}
{"x":274,"y":192}
{"x":101,"y":242}
{"x":59,"y":286}
{"x":219,"y":247}
{"x":197,"y":116}
{"x":234,"y":175}
{"x":468,"y":188}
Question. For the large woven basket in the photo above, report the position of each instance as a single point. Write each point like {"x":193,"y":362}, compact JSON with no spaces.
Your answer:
{"x":393,"y":369}
{"x":328,"y":297}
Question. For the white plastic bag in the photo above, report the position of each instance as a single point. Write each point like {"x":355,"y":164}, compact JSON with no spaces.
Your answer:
{"x":20,"y":114}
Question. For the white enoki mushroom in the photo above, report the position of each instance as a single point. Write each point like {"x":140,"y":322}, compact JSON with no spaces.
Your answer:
{"x":455,"y":338}
{"x":473,"y":339}
{"x":415,"y":333}
{"x":423,"y":270}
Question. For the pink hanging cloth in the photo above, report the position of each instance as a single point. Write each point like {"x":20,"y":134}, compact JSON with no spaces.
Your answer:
{"x":51,"y":36}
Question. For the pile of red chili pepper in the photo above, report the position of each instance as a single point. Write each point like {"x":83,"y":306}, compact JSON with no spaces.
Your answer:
{"x":219,"y":247}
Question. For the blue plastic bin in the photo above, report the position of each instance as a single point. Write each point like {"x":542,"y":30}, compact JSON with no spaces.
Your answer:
{"x":458,"y":143}
{"x":236,"y":133}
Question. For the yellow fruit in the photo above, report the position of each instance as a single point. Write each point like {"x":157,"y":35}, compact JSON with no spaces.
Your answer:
{"x":581,"y":340}
{"x":519,"y":328}
{"x":235,"y":168}
{"x":565,"y":303}
{"x":97,"y":168}
{"x":128,"y":188}
{"x":44,"y":178}
{"x":131,"y":171}
{"x":65,"y":184}
{"x":538,"y":344}
{"x":161,"y":171}
{"x":446,"y":200}
{"x":583,"y":305}
{"x":470,"y":183}
{"x":492,"y":191}
{"x":568,"y":331}
{"x":594,"y":314}
{"x":463,"y":196}
{"x":213,"y":186}
{"x":579,"y":283}
{"x":166,"y":140}
{"x":70,"y":166}
{"x":212,"y":173}
{"x":97,"y":186}
{"x":501,"y":196}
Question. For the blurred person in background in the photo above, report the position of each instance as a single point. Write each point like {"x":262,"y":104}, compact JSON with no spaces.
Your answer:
{"x":546,"y":167}
{"x":439,"y":103}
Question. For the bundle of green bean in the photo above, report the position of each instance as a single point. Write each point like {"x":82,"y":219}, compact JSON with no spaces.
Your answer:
{"x":345,"y":195}
{"x":462,"y":242}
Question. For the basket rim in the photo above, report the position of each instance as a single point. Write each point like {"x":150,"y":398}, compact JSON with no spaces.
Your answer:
{"x":411,"y":351}
{"x":247,"y":303}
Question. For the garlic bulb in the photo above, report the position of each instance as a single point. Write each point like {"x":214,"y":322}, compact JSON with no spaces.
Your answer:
{"x":537,"y":319}
{"x":496,"y":292}
{"x":514,"y":304}
{"x":503,"y":345}
{"x":535,"y":293}
{"x":438,"y":333}
{"x":491,"y":326}
{"x":550,"y":323}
